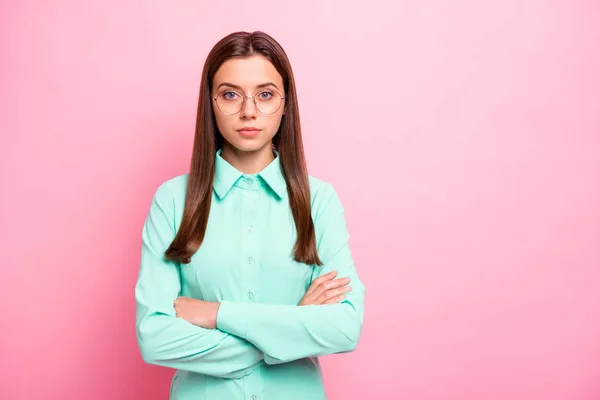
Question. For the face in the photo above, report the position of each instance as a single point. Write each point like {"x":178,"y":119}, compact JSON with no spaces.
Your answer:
{"x":250,"y":76}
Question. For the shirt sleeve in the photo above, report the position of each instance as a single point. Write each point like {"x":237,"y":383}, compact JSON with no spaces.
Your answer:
{"x":163,"y":338}
{"x":287,"y":332}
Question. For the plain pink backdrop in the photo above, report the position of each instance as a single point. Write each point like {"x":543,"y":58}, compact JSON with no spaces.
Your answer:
{"x":463,"y":138}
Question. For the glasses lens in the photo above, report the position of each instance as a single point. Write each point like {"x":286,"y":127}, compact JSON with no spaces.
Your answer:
{"x":268,"y":101}
{"x":229,"y":102}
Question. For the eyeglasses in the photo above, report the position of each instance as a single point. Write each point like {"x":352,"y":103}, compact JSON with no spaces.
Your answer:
{"x":231,"y":102}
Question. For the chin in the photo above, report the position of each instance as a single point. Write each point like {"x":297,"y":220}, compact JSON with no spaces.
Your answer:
{"x":249,"y":149}
{"x":248,"y":145}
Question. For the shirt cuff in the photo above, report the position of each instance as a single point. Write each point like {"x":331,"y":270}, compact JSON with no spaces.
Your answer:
{"x":232,"y":318}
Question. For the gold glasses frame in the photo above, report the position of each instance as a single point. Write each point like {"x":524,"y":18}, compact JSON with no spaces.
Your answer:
{"x":214,"y":98}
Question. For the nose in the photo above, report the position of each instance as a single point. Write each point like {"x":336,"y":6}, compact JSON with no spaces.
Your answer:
{"x":248,"y":107}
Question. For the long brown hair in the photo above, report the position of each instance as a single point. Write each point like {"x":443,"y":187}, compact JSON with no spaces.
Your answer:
{"x":207,"y":139}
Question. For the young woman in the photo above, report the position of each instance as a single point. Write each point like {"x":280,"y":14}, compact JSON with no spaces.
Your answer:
{"x":246,"y":276}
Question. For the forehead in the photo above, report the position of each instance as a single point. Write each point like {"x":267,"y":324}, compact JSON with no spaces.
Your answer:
{"x":247,"y":72}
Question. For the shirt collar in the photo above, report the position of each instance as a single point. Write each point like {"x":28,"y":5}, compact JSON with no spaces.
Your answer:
{"x":226,"y":175}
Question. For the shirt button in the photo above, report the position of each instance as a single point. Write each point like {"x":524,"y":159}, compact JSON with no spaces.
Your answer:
{"x":250,"y":295}
{"x":250,"y":260}
{"x":250,"y":228}
{"x":254,"y":397}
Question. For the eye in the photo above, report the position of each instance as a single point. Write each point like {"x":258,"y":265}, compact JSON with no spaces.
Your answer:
{"x":266,"y":95}
{"x":229,"y":95}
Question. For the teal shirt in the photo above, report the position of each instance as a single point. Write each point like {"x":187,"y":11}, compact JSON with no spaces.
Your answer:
{"x":265,"y":347}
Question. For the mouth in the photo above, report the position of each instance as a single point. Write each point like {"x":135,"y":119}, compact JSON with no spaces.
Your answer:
{"x":248,"y":132}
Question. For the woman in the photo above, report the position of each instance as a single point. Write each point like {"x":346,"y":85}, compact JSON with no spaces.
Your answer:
{"x":246,"y":276}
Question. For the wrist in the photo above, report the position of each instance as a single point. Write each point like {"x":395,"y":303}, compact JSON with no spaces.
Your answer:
{"x":215,"y":313}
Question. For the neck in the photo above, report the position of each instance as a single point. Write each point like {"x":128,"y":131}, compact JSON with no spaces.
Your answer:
{"x":248,"y":162}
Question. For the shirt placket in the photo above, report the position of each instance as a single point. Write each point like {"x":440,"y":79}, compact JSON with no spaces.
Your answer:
{"x":251,"y":267}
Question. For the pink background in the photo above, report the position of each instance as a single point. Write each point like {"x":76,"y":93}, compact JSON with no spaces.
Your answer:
{"x":463,"y":137}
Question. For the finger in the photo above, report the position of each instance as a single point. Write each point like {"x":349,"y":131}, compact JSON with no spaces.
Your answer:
{"x":333,"y":293}
{"x":335,"y":283}
{"x":336,"y":299}
{"x":318,"y":291}
{"x":178,"y":299}
{"x":324,"y":278}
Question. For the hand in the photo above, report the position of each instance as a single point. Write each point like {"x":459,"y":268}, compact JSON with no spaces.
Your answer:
{"x":326,"y":290}
{"x":198,"y":312}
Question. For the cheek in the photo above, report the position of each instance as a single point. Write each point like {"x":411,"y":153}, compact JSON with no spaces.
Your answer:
{"x":273,"y":122}
{"x":223,"y":124}
{"x":275,"y":125}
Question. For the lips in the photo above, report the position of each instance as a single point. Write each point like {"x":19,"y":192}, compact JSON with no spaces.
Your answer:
{"x":249,"y":132}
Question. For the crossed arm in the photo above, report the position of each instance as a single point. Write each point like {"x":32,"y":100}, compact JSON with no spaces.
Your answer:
{"x":247,"y":334}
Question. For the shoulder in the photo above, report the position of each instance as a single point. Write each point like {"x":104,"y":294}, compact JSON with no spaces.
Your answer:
{"x":324,"y":198}
{"x":171,"y":192}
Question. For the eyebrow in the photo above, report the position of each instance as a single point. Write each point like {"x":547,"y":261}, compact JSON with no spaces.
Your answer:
{"x":257,"y":87}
